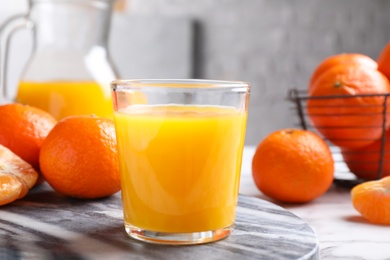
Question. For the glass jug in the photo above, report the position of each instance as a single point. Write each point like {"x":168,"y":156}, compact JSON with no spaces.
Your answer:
{"x":69,"y":71}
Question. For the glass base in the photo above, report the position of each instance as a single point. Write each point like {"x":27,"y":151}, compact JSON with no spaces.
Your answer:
{"x":177,"y":238}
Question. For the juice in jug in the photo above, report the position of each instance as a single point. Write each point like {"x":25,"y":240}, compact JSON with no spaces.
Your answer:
{"x":63,"y":99}
{"x":180,"y":166}
{"x":70,"y":68}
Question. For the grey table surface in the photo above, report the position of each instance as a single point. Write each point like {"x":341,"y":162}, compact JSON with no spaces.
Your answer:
{"x":46,"y":225}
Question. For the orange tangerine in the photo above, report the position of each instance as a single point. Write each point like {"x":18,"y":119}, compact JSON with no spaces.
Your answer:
{"x":349,"y":121}
{"x":293,"y":165}
{"x":341,"y":59}
{"x":23,"y":129}
{"x":79,"y":157}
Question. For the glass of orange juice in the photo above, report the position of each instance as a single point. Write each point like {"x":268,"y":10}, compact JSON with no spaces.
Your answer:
{"x":180,"y":146}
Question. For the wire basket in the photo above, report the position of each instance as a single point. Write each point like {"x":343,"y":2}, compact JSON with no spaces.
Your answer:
{"x":373,"y":162}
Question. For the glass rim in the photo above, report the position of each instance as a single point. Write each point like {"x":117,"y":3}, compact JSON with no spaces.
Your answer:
{"x":204,"y":84}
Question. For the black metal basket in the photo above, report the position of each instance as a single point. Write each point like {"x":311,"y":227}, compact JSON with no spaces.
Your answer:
{"x":343,"y":174}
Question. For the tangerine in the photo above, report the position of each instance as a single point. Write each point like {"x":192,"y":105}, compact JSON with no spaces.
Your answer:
{"x":384,"y":61}
{"x":23,"y":129}
{"x":79,"y":157}
{"x":372,"y":200}
{"x":364,"y":162}
{"x":341,"y":110}
{"x":341,"y":59}
{"x":293,"y":165}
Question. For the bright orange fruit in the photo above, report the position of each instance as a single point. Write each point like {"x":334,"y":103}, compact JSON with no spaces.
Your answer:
{"x":23,"y":129}
{"x":364,"y":162}
{"x":16,"y":176}
{"x":372,"y":200}
{"x":293,"y":165}
{"x":384,"y":61}
{"x":349,"y":121}
{"x":341,"y":59}
{"x":79,"y":157}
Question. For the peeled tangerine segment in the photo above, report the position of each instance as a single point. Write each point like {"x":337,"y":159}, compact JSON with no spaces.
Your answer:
{"x":16,"y":176}
{"x":10,"y":188}
{"x":372,"y":200}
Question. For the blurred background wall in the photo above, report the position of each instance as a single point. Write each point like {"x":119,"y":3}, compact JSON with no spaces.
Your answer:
{"x":273,"y":44}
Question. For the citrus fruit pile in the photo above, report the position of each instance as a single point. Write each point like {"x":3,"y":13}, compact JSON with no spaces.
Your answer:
{"x":76,"y":156}
{"x":346,"y":105}
{"x":347,"y":108}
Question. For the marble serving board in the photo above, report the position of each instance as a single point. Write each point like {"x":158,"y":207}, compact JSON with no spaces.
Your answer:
{"x":46,"y":225}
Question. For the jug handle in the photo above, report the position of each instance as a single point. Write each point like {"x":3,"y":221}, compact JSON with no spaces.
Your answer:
{"x":6,"y":31}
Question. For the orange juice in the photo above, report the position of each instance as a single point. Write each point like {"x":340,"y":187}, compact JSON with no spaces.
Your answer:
{"x":67,"y":98}
{"x":180,"y":166}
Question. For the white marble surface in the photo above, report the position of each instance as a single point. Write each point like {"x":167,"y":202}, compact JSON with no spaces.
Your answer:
{"x":341,"y":231}
{"x":46,"y":225}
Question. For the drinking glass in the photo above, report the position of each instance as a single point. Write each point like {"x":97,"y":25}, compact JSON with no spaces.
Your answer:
{"x":180,"y":145}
